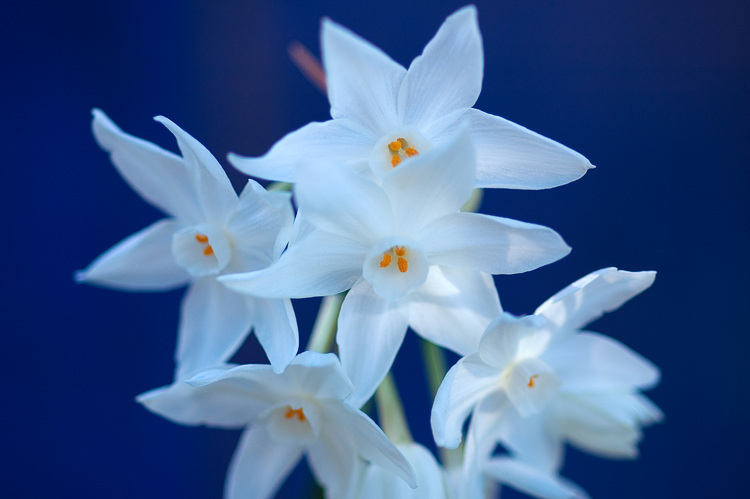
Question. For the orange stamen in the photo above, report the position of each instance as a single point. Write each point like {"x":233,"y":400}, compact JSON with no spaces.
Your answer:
{"x":395,"y":145}
{"x":531,"y":381}
{"x":299,"y":413}
{"x":395,"y":160}
{"x":386,"y":260}
{"x":400,"y":250}
{"x":403,"y":265}
{"x":201,"y":238}
{"x":208,"y":250}
{"x":410,"y":151}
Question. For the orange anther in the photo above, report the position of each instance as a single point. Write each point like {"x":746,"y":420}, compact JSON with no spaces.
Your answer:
{"x":201,"y":238}
{"x":531,"y":380}
{"x":395,"y":160}
{"x":208,"y":250}
{"x":395,"y":145}
{"x":410,"y":151}
{"x":400,"y":250}
{"x":299,"y":413}
{"x":386,"y":260}
{"x":403,"y":265}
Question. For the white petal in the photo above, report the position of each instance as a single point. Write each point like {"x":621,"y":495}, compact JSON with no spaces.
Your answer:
{"x":454,"y":307}
{"x":215,"y":193}
{"x":510,"y":338}
{"x":465,"y":384}
{"x":527,"y":479}
{"x":320,"y":264}
{"x":334,"y":141}
{"x":362,"y":81}
{"x":343,"y":202}
{"x":370,"y":332}
{"x":158,"y":176}
{"x":140,"y":262}
{"x":432,"y":184}
{"x":368,"y":440}
{"x":448,"y":75}
{"x":260,"y":465}
{"x":590,"y":297}
{"x":219,"y":404}
{"x":591,"y":361}
{"x":214,"y":322}
{"x":490,"y":244}
{"x":534,"y":438}
{"x":262,"y":224}
{"x":513,"y":157}
{"x":379,"y":483}
{"x":334,"y":462}
{"x":275,"y":326}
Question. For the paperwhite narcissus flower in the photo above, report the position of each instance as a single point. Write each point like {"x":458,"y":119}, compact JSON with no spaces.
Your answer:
{"x":383,"y":114}
{"x":300,"y":411}
{"x":538,"y":381}
{"x":408,"y":255}
{"x":209,"y":232}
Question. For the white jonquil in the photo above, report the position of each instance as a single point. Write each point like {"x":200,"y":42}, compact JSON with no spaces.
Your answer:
{"x":383,"y":114}
{"x":408,"y":255}
{"x":538,"y":381}
{"x":209,"y":232}
{"x":301,"y":410}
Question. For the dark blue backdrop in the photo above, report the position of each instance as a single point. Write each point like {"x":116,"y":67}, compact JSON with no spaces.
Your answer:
{"x":654,"y":93}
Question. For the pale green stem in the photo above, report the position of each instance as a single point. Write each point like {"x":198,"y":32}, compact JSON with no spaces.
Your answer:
{"x":434,"y":363}
{"x":472,"y":205}
{"x":279,"y":186}
{"x":391,"y":412}
{"x":324,"y":328}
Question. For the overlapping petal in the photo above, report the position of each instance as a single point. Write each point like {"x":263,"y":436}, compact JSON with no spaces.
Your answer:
{"x":275,"y":326}
{"x":528,"y":479}
{"x":140,"y":262}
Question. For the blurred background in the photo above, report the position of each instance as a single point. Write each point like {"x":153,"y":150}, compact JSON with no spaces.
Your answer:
{"x":653,"y":93}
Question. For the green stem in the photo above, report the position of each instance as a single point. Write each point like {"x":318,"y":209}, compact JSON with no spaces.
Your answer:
{"x":391,"y":412}
{"x":434,"y":363}
{"x":324,"y":328}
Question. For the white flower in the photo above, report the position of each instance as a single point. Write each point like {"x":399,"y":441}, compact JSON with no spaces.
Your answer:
{"x":300,"y":411}
{"x":383,"y":114}
{"x":408,"y":255}
{"x":209,"y":232}
{"x":538,"y":381}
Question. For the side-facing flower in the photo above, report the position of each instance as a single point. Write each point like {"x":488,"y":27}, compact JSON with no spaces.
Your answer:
{"x":538,"y":381}
{"x":209,"y":231}
{"x":300,"y":411}
{"x":408,"y":255}
{"x":383,"y":114}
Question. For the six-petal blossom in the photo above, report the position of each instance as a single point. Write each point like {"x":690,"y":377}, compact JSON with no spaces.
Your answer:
{"x":383,"y":114}
{"x":538,"y":381}
{"x":300,"y":411}
{"x":408,"y":255}
{"x":209,"y":232}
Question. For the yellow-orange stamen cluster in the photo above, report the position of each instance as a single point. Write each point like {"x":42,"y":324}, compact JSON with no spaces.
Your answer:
{"x":398,"y":149}
{"x":298,"y":413}
{"x":531,"y":381}
{"x":400,"y":251}
{"x":203,"y":239}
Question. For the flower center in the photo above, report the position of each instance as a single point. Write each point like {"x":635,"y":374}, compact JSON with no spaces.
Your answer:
{"x":298,"y":413}
{"x":203,"y":240}
{"x":399,"y":252}
{"x":531,"y":382}
{"x":400,"y":149}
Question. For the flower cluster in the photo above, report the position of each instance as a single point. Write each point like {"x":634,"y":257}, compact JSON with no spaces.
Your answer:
{"x":381,"y":230}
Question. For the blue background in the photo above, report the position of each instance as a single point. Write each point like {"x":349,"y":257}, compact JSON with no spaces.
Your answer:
{"x":653,"y":93}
